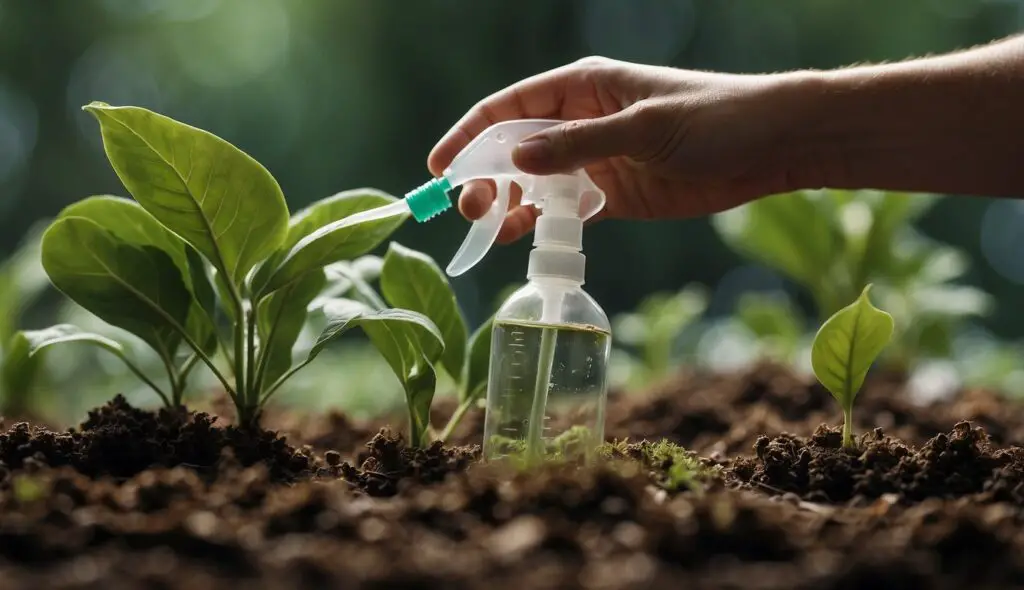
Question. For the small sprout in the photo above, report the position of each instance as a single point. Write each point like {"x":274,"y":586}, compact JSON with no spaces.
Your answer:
{"x":843,"y":350}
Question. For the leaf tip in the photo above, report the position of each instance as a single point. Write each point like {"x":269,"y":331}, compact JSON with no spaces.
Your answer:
{"x":94,"y":106}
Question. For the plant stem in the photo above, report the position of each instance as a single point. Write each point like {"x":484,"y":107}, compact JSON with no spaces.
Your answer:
{"x":456,"y":418}
{"x":264,"y":356}
{"x":187,"y":367}
{"x":848,"y":429}
{"x":280,"y":381}
{"x":138,"y":373}
{"x":250,"y":364}
{"x":546,"y":357}
{"x":239,"y":342}
{"x":172,"y":378}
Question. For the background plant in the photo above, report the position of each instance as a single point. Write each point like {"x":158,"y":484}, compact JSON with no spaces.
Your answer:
{"x":647,"y":341}
{"x":22,"y":283}
{"x":833,"y":243}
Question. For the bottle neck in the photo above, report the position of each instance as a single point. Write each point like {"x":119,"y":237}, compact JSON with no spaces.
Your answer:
{"x":557,"y":245}
{"x":560,"y":265}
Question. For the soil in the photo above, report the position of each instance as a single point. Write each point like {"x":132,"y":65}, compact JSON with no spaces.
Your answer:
{"x":932,"y":497}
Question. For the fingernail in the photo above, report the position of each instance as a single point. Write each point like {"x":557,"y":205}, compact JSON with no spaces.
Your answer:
{"x":533,"y":149}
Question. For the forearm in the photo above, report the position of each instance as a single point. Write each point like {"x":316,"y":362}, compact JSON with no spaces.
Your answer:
{"x":949,"y":124}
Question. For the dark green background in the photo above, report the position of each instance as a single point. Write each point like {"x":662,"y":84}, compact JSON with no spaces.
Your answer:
{"x":337,"y":94}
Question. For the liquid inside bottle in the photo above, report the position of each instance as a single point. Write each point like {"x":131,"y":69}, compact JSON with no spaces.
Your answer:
{"x":546,"y":392}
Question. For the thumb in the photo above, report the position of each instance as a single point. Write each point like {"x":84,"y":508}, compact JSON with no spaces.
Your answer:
{"x":574,"y":144}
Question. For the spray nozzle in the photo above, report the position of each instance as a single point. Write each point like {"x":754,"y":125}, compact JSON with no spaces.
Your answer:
{"x":489,"y":156}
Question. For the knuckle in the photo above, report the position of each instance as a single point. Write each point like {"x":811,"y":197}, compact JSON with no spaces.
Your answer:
{"x":648,"y":115}
{"x":569,"y":134}
{"x":591,"y":61}
{"x":653,"y":124}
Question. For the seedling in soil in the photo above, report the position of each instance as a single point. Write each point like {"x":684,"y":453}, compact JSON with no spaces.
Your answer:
{"x":206,"y":260}
{"x":843,"y":350}
{"x":412,"y":280}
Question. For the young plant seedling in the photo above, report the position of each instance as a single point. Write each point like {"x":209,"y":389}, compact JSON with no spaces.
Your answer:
{"x":207,"y":243}
{"x":843,"y":350}
{"x":412,"y":280}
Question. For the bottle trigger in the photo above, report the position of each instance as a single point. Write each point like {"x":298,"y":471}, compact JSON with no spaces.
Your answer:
{"x":483,"y":232}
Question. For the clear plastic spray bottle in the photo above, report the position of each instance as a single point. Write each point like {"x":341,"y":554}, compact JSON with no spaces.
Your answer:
{"x":550,"y":344}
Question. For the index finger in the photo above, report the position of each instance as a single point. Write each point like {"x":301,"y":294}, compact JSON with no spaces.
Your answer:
{"x":538,"y":96}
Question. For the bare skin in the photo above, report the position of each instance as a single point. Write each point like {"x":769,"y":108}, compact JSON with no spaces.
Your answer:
{"x":671,"y":143}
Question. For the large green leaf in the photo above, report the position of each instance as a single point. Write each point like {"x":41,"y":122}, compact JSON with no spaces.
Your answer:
{"x":473,"y":382}
{"x":213,"y":195}
{"x":136,"y":288}
{"x":314,"y":241}
{"x":408,"y":341}
{"x":846,"y":345}
{"x":130,"y":223}
{"x":281,"y":319}
{"x":412,"y":280}
{"x":793,"y":233}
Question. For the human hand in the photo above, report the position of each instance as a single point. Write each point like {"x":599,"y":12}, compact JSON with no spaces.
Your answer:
{"x":661,"y":142}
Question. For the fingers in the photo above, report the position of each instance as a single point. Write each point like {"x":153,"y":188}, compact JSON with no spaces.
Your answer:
{"x":539,"y":96}
{"x":478,"y":196}
{"x":575,"y":144}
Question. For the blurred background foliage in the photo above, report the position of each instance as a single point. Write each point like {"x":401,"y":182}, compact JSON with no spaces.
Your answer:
{"x":337,"y":94}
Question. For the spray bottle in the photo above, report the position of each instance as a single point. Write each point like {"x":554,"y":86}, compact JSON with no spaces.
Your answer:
{"x":550,"y":341}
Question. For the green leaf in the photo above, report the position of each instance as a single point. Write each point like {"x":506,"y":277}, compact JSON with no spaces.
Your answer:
{"x":281,"y":318}
{"x":793,"y":233}
{"x":412,"y":280}
{"x":37,"y":340}
{"x":313,"y":240}
{"x":408,"y":341}
{"x":19,"y":372}
{"x":473,"y":382}
{"x":846,"y":345}
{"x":127,"y":221}
{"x":136,"y":288}
{"x":215,"y":196}
{"x":22,"y":280}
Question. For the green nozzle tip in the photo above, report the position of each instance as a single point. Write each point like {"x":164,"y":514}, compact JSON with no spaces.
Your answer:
{"x":430,"y":199}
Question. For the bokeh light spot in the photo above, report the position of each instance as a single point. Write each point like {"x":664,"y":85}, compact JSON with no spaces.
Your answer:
{"x":118,"y":71}
{"x":1001,"y":239}
{"x":239,"y":42}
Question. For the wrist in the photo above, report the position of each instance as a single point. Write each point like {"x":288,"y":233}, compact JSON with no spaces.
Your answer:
{"x":924,"y":126}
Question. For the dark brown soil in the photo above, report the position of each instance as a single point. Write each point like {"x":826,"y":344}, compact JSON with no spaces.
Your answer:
{"x":121,"y":441}
{"x":135,"y":499}
{"x":963,"y":462}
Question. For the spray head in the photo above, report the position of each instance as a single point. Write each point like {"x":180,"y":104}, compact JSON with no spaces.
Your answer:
{"x":489,"y":156}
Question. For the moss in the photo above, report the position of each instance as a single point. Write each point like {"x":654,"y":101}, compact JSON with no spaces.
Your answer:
{"x":673,"y":467}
